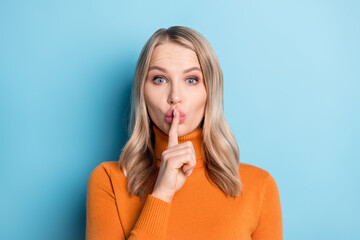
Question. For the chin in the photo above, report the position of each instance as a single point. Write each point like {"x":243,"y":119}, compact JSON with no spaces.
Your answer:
{"x":182,"y":131}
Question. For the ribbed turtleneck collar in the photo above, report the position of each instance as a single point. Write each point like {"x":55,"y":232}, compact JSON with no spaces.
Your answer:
{"x":161,"y":142}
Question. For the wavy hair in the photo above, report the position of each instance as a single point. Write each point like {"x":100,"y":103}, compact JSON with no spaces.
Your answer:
{"x":137,"y":159}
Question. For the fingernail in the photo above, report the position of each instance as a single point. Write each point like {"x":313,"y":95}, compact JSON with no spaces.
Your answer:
{"x":190,"y":172}
{"x":174,"y":112}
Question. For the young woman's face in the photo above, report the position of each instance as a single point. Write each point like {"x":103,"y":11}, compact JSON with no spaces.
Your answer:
{"x":175,"y":81}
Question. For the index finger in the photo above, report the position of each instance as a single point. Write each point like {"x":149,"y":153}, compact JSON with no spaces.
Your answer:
{"x":173,"y":134}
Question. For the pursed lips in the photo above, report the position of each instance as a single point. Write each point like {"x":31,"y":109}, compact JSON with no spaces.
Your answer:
{"x":169,"y":115}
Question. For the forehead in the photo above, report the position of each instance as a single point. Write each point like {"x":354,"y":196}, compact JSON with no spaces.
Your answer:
{"x":173,"y":55}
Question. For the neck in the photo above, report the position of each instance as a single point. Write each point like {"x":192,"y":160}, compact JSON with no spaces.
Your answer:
{"x":161,"y":142}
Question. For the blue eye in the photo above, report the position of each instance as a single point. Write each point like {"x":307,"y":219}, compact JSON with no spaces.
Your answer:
{"x":194,"y":80}
{"x":161,"y":80}
{"x":157,"y":80}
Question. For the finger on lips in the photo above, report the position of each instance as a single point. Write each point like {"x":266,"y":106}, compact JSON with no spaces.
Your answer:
{"x":176,"y":150}
{"x":173,"y":135}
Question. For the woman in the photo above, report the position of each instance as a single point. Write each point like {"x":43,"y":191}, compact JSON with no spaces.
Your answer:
{"x":179,"y":175}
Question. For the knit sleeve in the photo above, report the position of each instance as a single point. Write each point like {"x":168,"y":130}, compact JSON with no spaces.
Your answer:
{"x":270,"y":217}
{"x":102,"y":219}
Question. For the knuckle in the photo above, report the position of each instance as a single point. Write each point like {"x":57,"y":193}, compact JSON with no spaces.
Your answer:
{"x":188,"y":150}
{"x":165,"y":157}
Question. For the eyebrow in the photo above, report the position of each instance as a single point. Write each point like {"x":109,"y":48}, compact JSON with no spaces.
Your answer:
{"x":164,"y":70}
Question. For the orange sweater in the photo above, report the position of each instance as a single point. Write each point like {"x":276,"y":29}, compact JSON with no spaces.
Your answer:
{"x":199,"y":210}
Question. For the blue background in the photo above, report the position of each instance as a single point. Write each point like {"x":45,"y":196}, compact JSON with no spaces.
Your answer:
{"x":291,"y":70}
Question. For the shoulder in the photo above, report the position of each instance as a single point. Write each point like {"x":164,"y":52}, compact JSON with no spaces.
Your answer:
{"x":251,"y":175}
{"x":252,"y":171}
{"x":106,"y":170}
{"x":261,"y":192}
{"x":105,"y":182}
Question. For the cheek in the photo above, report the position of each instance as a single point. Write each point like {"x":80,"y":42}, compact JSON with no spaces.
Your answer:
{"x":151,"y":100}
{"x":202,"y":98}
{"x":149,"y":103}
{"x":151,"y":95}
{"x":148,"y":96}
{"x":199,"y":105}
{"x":152,"y":103}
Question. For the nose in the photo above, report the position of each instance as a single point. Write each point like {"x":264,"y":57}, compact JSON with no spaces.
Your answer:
{"x":174,"y":96}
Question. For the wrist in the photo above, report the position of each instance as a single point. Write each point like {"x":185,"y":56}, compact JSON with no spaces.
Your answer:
{"x":161,"y":196}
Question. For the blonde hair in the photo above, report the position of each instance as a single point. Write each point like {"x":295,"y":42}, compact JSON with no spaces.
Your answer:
{"x":137,"y":159}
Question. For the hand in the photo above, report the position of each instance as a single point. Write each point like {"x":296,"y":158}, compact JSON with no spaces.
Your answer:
{"x":177,"y":162}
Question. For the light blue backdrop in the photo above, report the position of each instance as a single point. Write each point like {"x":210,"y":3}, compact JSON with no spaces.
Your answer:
{"x":292,"y":72}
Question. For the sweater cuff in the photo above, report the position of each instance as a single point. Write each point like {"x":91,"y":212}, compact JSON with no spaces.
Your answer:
{"x":154,"y":217}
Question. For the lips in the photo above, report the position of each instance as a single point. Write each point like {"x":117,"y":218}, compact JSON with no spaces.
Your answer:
{"x":171,"y":112}
{"x":169,"y":116}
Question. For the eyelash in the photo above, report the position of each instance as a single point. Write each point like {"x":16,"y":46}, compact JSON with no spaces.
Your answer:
{"x":194,"y":78}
